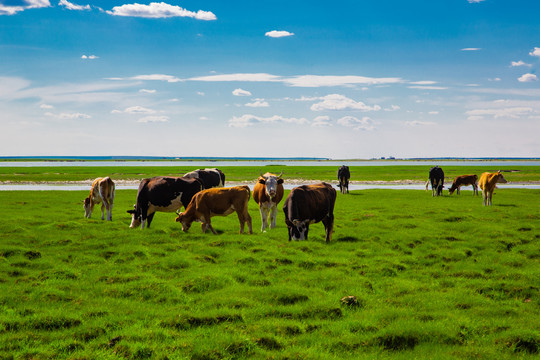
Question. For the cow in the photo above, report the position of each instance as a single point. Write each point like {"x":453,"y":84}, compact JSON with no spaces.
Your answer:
{"x":488,"y":184}
{"x":161,"y":193}
{"x":436,"y":178}
{"x":344,"y":175}
{"x":209,"y":177}
{"x":217,"y":201}
{"x":309,"y":204}
{"x":102,"y":191}
{"x":464,"y":180}
{"x":267,"y":193}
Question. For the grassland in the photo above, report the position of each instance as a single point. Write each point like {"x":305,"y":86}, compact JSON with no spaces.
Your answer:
{"x":250,"y":173}
{"x":434,"y":278}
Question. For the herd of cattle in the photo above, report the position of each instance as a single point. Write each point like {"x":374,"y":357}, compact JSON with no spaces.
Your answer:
{"x":203,"y":195}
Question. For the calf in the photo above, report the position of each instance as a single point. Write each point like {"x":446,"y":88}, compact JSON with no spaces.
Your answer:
{"x":343,"y":176}
{"x":268,"y":192}
{"x":464,"y":180}
{"x":488,"y":183}
{"x":209,"y":177}
{"x":436,"y":178}
{"x":102,"y":191}
{"x":167,"y":194}
{"x":308,"y":204}
{"x":218,"y":201}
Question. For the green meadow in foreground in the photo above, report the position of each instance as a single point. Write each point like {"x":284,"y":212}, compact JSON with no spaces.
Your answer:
{"x":439,"y":278}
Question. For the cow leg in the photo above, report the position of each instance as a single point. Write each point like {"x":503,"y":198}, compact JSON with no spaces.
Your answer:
{"x":328,"y":227}
{"x":264,"y":217}
{"x":458,"y":190}
{"x":243,"y":218}
{"x":149,"y":219}
{"x":103,"y":211}
{"x":273,"y":216}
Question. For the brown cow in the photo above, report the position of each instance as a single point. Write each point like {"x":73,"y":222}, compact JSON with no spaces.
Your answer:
{"x":102,"y":191}
{"x":217,"y":201}
{"x":268,"y":192}
{"x":488,"y":184}
{"x":464,"y":180}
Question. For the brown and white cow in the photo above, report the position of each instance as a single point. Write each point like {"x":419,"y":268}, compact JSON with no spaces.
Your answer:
{"x":161,"y":193}
{"x":464,"y":180}
{"x":217,"y":201}
{"x":488,"y":184}
{"x":308,"y":204}
{"x":268,"y":192}
{"x":102,"y":191}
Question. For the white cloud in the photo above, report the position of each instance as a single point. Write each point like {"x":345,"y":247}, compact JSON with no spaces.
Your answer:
{"x":28,"y":4}
{"x":71,"y":6}
{"x":535,"y":52}
{"x":241,"y":92}
{"x":200,"y":93}
{"x":147,"y":91}
{"x":475,"y":1}
{"x":151,"y":77}
{"x":419,"y":123}
{"x":258,"y":103}
{"x":159,"y":10}
{"x":341,"y":102}
{"x":301,"y":80}
{"x":528,"y":78}
{"x":428,"y":87}
{"x":250,"y":120}
{"x":46,"y":106}
{"x":357,"y":124}
{"x":321,"y":121}
{"x":471,"y":49}
{"x":392,"y":108}
{"x":153,"y":119}
{"x":278,"y":34}
{"x":519,"y":63}
{"x":137,"y":110}
{"x":425,"y":82}
{"x":68,"y":116}
{"x":89,"y":57}
{"x":433,"y":113}
{"x":509,"y":112}
{"x":347,"y":80}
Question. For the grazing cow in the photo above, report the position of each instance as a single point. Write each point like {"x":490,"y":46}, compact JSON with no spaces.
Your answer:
{"x":308,"y":204}
{"x":268,"y":192}
{"x":219,"y":201}
{"x":464,"y":180}
{"x":343,"y":176}
{"x":436,"y":178}
{"x":102,"y":191}
{"x":166,"y":194}
{"x":209,"y":177}
{"x":488,"y":184}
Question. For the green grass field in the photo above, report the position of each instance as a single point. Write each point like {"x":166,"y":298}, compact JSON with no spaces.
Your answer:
{"x":250,"y":173}
{"x":434,"y":278}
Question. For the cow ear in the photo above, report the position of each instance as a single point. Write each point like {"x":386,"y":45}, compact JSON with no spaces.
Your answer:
{"x":262,"y":181}
{"x":130,"y":211}
{"x":280,"y":181}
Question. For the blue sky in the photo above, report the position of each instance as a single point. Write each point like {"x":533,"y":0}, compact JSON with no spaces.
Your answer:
{"x":345,"y":79}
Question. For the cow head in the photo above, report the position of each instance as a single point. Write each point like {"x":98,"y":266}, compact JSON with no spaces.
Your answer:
{"x":182,"y":219}
{"x":298,"y":229}
{"x":270,"y":182}
{"x":88,"y":207}
{"x":452,"y":188}
{"x":135,"y":218}
{"x":500,"y":178}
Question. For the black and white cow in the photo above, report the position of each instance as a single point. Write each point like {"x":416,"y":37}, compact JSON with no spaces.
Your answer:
{"x":436,"y":178}
{"x":209,"y":177}
{"x":343,"y":176}
{"x":166,"y":194}
{"x":309,"y":204}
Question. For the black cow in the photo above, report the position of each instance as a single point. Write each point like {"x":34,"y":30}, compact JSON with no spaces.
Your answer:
{"x":436,"y":178}
{"x":343,"y":176}
{"x":167,"y":194}
{"x":209,"y":177}
{"x":308,"y":204}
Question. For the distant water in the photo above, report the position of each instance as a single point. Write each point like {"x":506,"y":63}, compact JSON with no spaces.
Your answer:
{"x":272,"y":162}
